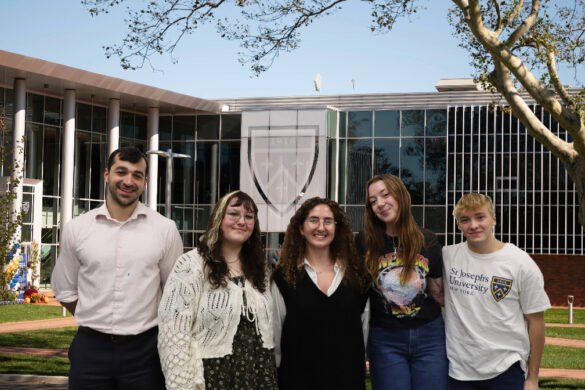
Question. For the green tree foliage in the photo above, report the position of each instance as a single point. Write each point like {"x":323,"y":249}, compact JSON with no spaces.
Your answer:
{"x":10,"y":224}
{"x":514,"y":45}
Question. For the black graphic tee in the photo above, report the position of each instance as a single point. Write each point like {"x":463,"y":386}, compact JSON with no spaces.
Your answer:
{"x":394,"y":305}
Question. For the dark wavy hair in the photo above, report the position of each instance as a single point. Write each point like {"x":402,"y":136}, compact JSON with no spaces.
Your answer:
{"x":252,"y":254}
{"x":342,"y":248}
{"x":410,"y":236}
{"x":129,"y":153}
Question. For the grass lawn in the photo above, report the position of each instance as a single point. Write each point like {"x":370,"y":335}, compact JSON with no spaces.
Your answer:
{"x":12,"y":313}
{"x":563,"y":357}
{"x":58,"y":338}
{"x":566,"y":333}
{"x":561,"y":316}
{"x":543,"y":384}
{"x":33,"y":365}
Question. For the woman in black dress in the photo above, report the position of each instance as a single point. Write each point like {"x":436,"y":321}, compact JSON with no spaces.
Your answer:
{"x":319,"y":292}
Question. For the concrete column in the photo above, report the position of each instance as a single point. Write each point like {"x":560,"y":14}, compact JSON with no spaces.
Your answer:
{"x":113,"y":125}
{"x":67,"y":160}
{"x":152,"y":137}
{"x":18,"y":145}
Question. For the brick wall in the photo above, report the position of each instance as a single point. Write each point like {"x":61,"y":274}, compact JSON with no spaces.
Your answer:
{"x":563,"y":275}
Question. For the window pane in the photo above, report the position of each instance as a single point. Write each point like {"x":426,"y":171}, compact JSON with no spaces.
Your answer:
{"x":359,"y":124}
{"x":52,"y":111}
{"x":436,"y":122}
{"x":100,"y":121}
{"x":413,"y":123}
{"x":231,"y":126}
{"x":230,"y":167}
{"x":435,"y":219}
{"x":412,"y":165}
{"x":183,"y":128}
{"x":202,"y":216}
{"x":436,"y":170}
{"x":164,"y":127}
{"x":359,"y":169}
{"x":206,"y":172}
{"x":34,"y":151}
{"x":51,"y":161}
{"x":342,"y":123}
{"x":83,"y":121}
{"x":34,"y":108}
{"x":386,"y":156}
{"x":208,"y":126}
{"x":140,"y":129}
{"x":387,"y":124}
{"x":98,"y":165}
{"x":82,"y":155}
{"x":183,"y":171}
{"x":126,"y":124}
{"x":355,"y":214}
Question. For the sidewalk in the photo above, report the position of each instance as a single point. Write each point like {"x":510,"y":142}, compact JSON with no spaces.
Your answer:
{"x":23,"y":326}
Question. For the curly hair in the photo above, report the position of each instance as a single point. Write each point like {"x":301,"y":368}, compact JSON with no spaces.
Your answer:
{"x":410,"y":235}
{"x":343,"y":248}
{"x":252,"y":254}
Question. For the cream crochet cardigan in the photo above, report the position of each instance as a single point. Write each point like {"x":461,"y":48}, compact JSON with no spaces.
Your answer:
{"x":197,"y":322}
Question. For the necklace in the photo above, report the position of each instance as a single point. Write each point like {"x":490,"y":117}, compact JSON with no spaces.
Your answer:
{"x":232,"y":261}
{"x":323,"y":270}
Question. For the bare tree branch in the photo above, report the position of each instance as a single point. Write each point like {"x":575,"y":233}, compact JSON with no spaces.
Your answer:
{"x":526,"y":24}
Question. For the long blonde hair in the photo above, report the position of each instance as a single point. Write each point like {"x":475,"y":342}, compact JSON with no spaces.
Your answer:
{"x":410,"y":236}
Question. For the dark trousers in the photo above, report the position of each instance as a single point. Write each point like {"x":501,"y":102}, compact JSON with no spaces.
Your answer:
{"x":99,"y":363}
{"x":511,"y":379}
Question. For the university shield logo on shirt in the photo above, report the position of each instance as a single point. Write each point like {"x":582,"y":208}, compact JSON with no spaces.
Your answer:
{"x":500,"y":287}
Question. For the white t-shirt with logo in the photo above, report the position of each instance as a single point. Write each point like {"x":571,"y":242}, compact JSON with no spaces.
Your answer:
{"x":486,"y":297}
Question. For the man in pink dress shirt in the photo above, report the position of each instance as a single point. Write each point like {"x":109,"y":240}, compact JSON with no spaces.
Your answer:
{"x":111,"y":270}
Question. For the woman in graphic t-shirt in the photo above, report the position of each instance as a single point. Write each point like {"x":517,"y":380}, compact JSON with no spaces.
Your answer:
{"x":406,"y":344}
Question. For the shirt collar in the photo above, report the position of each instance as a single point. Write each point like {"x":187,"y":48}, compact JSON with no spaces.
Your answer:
{"x":140,"y":210}
{"x":336,"y":266}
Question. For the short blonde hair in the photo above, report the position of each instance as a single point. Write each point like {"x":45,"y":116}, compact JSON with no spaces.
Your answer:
{"x":473,"y":201}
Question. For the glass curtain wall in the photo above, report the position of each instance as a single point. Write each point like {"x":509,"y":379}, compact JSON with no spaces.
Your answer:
{"x":410,"y":144}
{"x":213,"y":142}
{"x":536,"y":202}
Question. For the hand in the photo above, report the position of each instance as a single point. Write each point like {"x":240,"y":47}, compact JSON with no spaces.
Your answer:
{"x":531,"y":384}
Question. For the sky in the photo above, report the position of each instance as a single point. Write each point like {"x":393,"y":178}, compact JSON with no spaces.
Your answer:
{"x":413,"y":57}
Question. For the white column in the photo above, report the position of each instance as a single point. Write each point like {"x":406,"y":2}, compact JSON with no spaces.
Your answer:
{"x":18,"y":145}
{"x":68,"y":157}
{"x":152,"y":136}
{"x":113,"y":125}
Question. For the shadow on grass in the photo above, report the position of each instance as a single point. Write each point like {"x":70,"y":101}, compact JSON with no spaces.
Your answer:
{"x":560,"y":384}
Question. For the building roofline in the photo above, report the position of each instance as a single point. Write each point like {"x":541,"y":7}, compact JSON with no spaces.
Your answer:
{"x":51,"y":78}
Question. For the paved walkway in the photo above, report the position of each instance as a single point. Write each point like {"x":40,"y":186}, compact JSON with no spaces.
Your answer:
{"x":70,"y":321}
{"x":23,"y":326}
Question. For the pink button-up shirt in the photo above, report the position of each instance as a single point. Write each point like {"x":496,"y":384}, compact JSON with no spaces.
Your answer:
{"x":115,"y":270}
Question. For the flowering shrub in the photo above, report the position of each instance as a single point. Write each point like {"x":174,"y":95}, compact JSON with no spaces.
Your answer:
{"x":29,"y":292}
{"x":37,"y":298}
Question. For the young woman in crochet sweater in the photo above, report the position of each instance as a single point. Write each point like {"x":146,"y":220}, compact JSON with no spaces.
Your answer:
{"x":319,"y":292}
{"x":215,"y":317}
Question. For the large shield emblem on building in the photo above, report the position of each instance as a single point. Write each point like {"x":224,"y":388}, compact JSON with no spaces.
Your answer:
{"x":282,"y":160}
{"x":500,"y":287}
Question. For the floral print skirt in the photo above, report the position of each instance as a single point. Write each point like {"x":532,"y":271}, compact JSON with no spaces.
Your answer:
{"x":249,"y":367}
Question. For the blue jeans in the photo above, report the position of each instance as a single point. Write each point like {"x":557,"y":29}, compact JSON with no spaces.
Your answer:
{"x":511,"y":379}
{"x":406,"y":359}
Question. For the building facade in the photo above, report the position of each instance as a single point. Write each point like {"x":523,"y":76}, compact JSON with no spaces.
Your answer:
{"x":282,"y":151}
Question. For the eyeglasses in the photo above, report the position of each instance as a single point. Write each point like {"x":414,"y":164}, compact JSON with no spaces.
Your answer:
{"x":234,"y":216}
{"x":326,"y":221}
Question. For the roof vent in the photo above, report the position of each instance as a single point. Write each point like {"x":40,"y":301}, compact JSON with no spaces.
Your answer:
{"x":445,"y":85}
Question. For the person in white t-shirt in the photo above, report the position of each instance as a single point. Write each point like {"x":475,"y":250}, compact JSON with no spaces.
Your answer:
{"x":494,"y":305}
